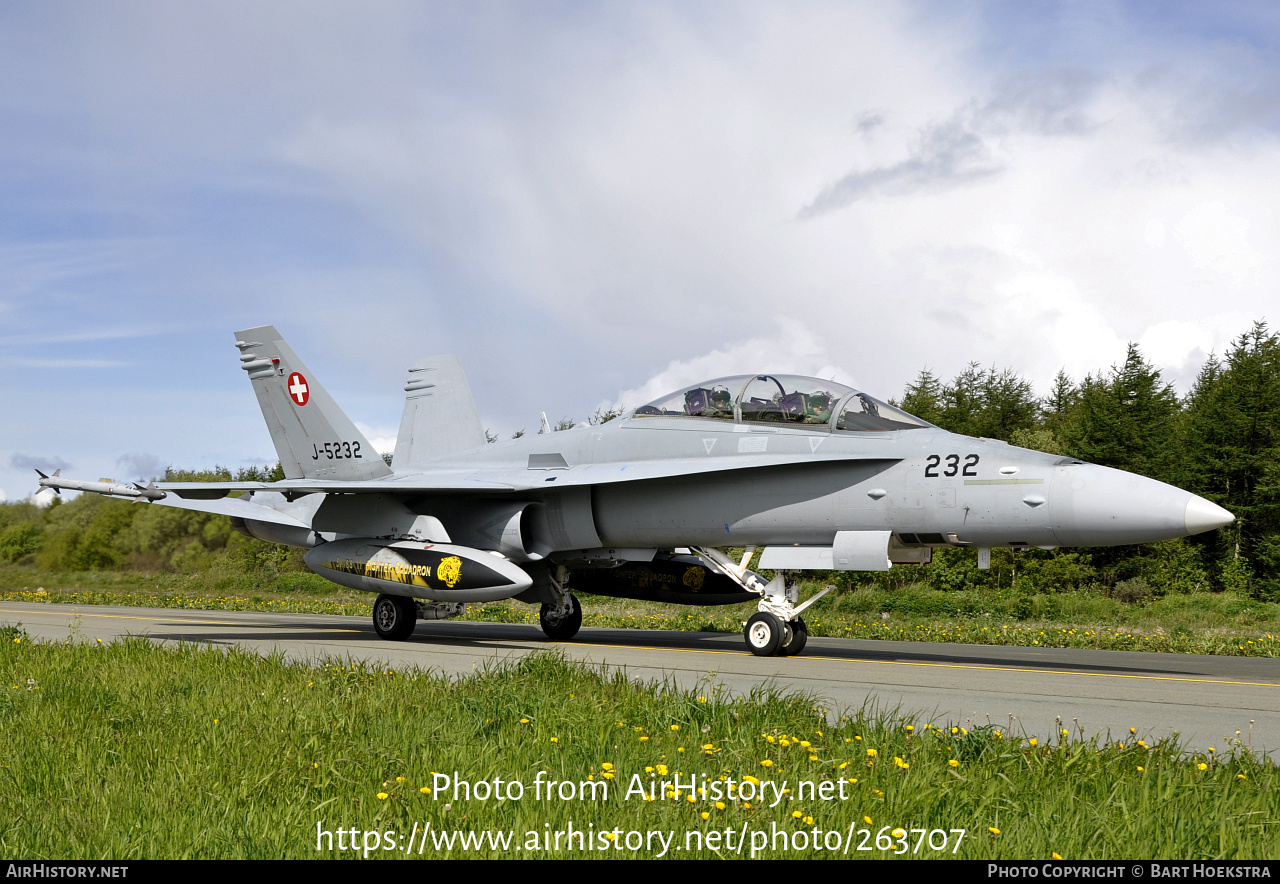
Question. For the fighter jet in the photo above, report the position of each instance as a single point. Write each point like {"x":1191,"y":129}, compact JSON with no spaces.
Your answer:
{"x":822,"y":476}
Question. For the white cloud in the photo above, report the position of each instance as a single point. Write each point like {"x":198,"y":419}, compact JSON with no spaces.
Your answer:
{"x":383,"y":439}
{"x":794,"y":349}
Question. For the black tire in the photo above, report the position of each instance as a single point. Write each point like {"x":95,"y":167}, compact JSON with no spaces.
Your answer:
{"x":564,"y":629}
{"x":394,"y":617}
{"x":799,"y":637}
{"x":763,"y":634}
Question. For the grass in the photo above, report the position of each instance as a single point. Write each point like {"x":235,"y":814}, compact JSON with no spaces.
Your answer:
{"x":131,"y":750}
{"x":1199,"y":623}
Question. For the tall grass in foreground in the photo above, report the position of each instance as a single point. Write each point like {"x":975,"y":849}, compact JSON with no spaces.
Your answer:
{"x":132,"y":751}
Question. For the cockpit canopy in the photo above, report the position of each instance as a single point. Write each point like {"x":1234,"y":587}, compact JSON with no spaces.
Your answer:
{"x":767,"y":398}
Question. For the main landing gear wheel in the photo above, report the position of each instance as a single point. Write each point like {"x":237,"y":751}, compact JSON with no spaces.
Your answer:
{"x":764,"y":633}
{"x":799,"y":636}
{"x":394,"y":617}
{"x":561,"y":626}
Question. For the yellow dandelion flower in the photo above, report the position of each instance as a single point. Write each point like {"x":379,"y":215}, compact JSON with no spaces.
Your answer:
{"x":899,"y":833}
{"x":1141,"y":768}
{"x":399,"y":779}
{"x":383,"y":796}
{"x":993,"y":830}
{"x":806,"y":744}
{"x":808,"y":821}
{"x":675,"y":727}
{"x":797,"y":814}
{"x":867,"y":820}
{"x":766,"y":763}
{"x":705,"y":815}
{"x":425,"y":790}
{"x":644,"y":739}
{"x":1033,"y":742}
{"x":524,"y":721}
{"x":871,"y":753}
{"x":719,"y":805}
{"x":1202,"y":766}
{"x":1056,"y":855}
{"x":555,"y":739}
{"x":953,"y":763}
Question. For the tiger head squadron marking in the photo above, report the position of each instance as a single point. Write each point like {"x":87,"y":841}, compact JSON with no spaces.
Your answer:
{"x":823,"y":476}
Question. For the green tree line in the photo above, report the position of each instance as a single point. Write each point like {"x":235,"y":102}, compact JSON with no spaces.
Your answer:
{"x":1221,"y":441}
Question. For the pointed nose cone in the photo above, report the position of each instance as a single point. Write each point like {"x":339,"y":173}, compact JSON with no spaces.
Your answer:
{"x":1201,"y":516}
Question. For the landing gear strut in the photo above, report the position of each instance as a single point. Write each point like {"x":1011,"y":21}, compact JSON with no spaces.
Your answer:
{"x":777,"y":629}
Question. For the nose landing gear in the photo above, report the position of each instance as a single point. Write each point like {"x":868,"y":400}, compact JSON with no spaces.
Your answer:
{"x":777,"y":630}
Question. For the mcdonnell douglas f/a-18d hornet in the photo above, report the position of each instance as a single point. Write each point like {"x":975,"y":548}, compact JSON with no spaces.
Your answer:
{"x":824,"y":477}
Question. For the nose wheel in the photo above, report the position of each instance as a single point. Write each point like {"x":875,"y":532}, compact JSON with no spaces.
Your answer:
{"x":768,"y":635}
{"x":776,"y":630}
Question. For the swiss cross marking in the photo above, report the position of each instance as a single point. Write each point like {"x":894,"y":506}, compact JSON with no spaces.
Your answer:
{"x":298,"y":391}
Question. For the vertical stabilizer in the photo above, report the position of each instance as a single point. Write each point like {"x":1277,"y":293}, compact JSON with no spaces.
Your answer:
{"x":314,"y":439}
{"x":440,"y":416}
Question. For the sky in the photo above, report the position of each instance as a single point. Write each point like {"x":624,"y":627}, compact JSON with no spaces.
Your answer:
{"x":594,"y":204}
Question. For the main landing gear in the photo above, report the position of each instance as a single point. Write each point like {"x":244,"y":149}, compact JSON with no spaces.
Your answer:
{"x":395,"y":616}
{"x":561,"y":619}
{"x":776,"y":630}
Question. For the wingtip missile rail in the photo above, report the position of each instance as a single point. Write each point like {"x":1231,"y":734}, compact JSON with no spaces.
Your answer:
{"x":133,"y":490}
